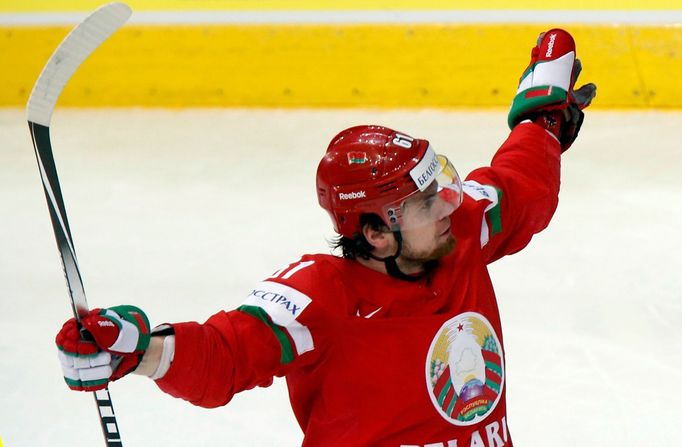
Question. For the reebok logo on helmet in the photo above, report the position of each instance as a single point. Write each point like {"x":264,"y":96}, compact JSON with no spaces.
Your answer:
{"x":352,"y":195}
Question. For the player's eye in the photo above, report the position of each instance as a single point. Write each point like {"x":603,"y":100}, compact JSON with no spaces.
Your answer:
{"x":429,"y":201}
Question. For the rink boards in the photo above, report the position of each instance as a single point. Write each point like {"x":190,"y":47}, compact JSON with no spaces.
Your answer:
{"x":223,"y":54}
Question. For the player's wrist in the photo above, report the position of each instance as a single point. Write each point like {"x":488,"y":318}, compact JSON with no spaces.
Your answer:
{"x":157,"y":358}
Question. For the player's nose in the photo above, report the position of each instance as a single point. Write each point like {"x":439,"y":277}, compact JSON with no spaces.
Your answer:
{"x":445,"y":207}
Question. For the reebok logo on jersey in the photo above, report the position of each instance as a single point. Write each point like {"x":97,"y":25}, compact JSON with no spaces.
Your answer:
{"x":279,"y":299}
{"x":105,"y":323}
{"x":352,"y":195}
{"x":550,"y":45}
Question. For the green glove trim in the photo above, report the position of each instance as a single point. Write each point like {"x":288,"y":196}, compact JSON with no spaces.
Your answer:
{"x":535,"y":99}
{"x":137,"y":317}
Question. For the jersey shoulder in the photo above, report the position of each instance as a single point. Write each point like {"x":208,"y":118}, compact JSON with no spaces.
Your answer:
{"x":312,"y":274}
{"x":291,"y":302}
{"x":315,"y":278}
{"x":478,"y":218}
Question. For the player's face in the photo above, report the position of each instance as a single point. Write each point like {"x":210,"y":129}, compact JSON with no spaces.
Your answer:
{"x":426,"y":230}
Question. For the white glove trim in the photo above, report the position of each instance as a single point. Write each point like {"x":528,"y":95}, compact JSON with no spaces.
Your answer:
{"x":556,"y":72}
{"x":128,"y":335}
{"x":90,"y":368}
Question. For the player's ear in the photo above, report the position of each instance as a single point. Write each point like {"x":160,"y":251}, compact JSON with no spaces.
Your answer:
{"x":379,"y":238}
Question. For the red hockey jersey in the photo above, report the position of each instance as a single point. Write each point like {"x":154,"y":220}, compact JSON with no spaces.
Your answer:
{"x":371,"y":360}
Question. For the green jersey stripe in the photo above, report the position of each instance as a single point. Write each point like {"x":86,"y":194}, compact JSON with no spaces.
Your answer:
{"x":283,"y":305}
{"x":280,"y":332}
{"x":491,"y":224}
{"x":494,"y":215}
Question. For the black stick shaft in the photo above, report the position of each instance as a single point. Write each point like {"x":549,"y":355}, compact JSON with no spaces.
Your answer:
{"x":62,"y":233}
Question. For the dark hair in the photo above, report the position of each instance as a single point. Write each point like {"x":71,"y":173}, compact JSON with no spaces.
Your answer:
{"x":357,"y":246}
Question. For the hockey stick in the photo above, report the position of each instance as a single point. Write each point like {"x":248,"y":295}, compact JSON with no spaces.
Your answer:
{"x":82,"y":41}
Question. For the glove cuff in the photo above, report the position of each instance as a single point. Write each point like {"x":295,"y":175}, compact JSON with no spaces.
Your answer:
{"x":563,"y":124}
{"x":545,"y":97}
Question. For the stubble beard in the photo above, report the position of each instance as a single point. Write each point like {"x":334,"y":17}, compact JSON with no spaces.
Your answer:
{"x":420,"y":258}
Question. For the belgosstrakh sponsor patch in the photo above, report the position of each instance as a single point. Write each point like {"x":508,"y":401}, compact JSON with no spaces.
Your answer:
{"x":283,"y":304}
{"x":426,"y":170}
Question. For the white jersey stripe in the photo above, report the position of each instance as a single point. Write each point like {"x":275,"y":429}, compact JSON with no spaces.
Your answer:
{"x":283,"y":304}
{"x":482,"y":192}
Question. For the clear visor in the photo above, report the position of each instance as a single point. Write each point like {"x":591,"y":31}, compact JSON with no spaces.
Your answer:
{"x":431,"y":205}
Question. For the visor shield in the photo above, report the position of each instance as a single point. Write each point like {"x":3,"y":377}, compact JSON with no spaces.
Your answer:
{"x":431,"y":203}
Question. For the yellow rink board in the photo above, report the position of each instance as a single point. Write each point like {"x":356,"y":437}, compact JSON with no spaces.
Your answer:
{"x":338,"y":5}
{"x":340,"y":65}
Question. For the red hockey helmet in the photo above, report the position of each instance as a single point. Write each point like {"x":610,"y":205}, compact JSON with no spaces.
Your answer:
{"x":373,"y":169}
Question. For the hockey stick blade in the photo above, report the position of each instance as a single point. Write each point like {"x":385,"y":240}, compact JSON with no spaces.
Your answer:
{"x":80,"y":43}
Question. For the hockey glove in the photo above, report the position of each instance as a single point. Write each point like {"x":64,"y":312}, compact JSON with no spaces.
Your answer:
{"x":112,"y":346}
{"x":546,"y":95}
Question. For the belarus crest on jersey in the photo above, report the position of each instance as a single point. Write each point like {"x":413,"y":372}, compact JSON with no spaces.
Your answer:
{"x":465,"y":370}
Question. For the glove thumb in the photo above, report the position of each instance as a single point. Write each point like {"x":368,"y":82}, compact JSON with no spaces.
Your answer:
{"x":584,"y":95}
{"x":120,"y":330}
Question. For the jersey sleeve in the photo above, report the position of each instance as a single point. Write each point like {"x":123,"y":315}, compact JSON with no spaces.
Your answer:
{"x":270,"y":334}
{"x":516,"y":196}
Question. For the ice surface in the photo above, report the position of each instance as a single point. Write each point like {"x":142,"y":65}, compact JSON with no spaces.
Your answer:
{"x":181,"y":212}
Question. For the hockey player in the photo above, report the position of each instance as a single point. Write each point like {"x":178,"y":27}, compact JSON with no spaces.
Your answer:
{"x":398,"y":341}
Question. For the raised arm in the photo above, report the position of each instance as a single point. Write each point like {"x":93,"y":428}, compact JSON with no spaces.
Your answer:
{"x":518,"y":192}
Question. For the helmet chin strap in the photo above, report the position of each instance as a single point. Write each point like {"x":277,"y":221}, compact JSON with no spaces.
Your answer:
{"x":392,"y":266}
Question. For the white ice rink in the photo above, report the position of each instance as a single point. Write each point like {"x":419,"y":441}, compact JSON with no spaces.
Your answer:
{"x":181,"y":212}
